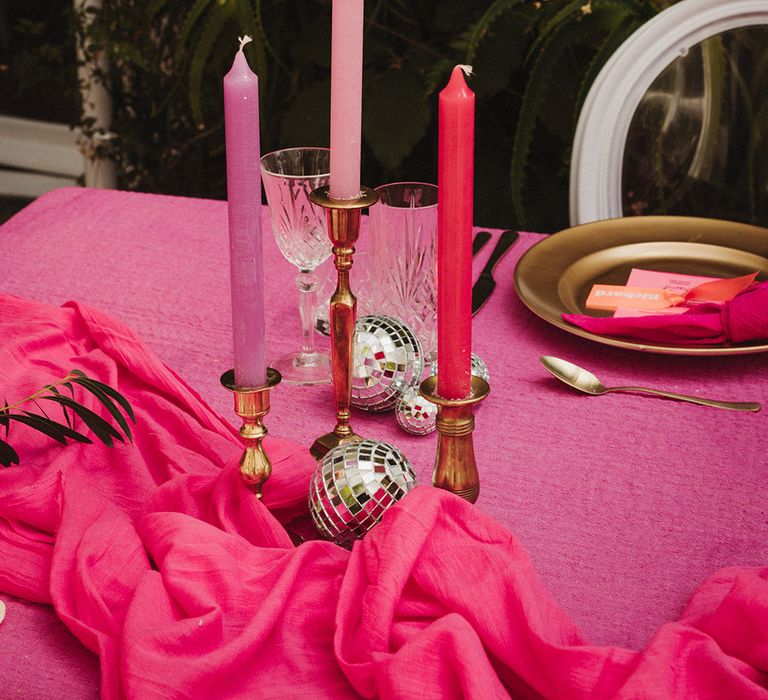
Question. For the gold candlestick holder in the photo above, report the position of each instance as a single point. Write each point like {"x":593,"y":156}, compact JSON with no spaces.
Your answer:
{"x":252,"y":404}
{"x":343,"y":228}
{"x":455,"y":465}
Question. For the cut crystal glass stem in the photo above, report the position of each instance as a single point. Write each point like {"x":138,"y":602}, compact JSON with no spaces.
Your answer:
{"x":307,"y":283}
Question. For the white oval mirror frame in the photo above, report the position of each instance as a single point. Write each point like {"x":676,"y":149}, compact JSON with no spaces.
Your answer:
{"x":604,"y":120}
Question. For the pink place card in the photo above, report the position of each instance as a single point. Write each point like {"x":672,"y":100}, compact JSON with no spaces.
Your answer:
{"x":671,"y":282}
{"x":648,"y":292}
{"x":610,"y":297}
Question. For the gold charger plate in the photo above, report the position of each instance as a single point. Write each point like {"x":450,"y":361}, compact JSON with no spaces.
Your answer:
{"x":555,"y":276}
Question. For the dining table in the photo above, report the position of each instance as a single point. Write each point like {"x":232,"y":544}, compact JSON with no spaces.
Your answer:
{"x":636,"y":519}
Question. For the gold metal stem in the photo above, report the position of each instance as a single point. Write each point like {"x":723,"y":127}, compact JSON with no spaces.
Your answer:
{"x":455,"y":465}
{"x":343,"y":229}
{"x":252,"y":404}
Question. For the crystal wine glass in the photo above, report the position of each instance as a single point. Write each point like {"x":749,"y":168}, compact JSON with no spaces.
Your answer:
{"x":289,"y":175}
{"x":404,"y":237}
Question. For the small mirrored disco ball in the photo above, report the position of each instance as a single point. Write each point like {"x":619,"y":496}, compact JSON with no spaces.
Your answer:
{"x":354,"y":484}
{"x":477,"y":369}
{"x":387,"y":359}
{"x":415,"y":414}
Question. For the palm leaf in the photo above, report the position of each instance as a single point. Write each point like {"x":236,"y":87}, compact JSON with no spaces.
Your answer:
{"x":8,"y":455}
{"x":96,"y":388}
{"x":64,"y":410}
{"x":105,"y":394}
{"x":57,"y":431}
{"x":3,"y":417}
{"x":86,"y":381}
{"x":101,"y":428}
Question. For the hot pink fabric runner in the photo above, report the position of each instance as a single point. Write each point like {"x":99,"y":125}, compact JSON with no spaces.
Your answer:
{"x":159,"y":560}
{"x":742,"y":319}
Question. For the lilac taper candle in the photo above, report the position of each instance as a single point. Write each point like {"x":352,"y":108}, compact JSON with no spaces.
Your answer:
{"x":241,"y":124}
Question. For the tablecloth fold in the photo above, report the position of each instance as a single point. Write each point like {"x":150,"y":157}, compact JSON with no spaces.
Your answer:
{"x":161,"y":561}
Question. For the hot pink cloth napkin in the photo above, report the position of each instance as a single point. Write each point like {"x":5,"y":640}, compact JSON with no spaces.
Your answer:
{"x":740,"y":320}
{"x":158,"y":558}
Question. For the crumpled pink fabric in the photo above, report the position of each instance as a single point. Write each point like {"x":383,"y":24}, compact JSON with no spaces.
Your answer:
{"x":159,"y":559}
{"x":740,"y":320}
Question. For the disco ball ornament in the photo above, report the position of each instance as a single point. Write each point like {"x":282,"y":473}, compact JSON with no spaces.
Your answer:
{"x":354,"y":484}
{"x":478,"y":368}
{"x":414,"y":413}
{"x":387,"y":360}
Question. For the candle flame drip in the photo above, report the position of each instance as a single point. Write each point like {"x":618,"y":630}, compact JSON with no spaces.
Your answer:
{"x":244,"y":40}
{"x":467,"y":69}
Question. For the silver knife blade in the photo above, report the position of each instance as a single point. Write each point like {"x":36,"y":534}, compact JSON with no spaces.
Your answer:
{"x":485,"y":284}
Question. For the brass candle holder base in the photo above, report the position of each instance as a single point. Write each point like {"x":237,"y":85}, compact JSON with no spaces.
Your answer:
{"x":252,"y":404}
{"x":455,"y":465}
{"x":325,"y":443}
{"x":343,"y":217}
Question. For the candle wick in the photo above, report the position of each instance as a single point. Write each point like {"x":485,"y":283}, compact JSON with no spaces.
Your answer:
{"x":244,"y":40}
{"x":467,"y":69}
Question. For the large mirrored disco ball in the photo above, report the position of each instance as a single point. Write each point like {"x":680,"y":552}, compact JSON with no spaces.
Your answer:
{"x":387,"y":359}
{"x":415,"y":414}
{"x":477,"y":369}
{"x":354,"y":484}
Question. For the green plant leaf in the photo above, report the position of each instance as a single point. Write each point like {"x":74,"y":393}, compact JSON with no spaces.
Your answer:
{"x":92,"y":386}
{"x":4,"y":417}
{"x":106,"y":395}
{"x":203,"y":49}
{"x":249,"y":21}
{"x":570,"y":12}
{"x":615,"y":38}
{"x":437,"y":75}
{"x":64,"y":410}
{"x":40,"y":408}
{"x":101,"y":428}
{"x":153,"y":8}
{"x":187,"y":26}
{"x":8,"y":455}
{"x":497,"y":57}
{"x":480,"y":29}
{"x":126,"y":52}
{"x":87,"y":381}
{"x":51,"y":428}
{"x":396,"y":115}
{"x":539,"y":81}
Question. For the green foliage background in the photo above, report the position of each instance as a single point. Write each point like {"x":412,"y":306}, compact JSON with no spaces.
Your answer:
{"x":534,"y":61}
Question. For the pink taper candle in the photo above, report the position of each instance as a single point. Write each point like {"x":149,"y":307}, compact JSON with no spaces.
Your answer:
{"x":241,"y":124}
{"x":455,"y":168}
{"x":346,"y":97}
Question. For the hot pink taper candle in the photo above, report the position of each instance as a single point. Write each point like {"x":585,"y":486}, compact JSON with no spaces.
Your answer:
{"x":455,"y":170}
{"x":241,"y":124}
{"x":346,"y":97}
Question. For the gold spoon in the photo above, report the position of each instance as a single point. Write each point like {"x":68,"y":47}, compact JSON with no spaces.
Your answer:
{"x":587,"y":382}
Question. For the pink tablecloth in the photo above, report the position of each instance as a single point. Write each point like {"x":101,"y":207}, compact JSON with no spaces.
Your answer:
{"x":625,"y":504}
